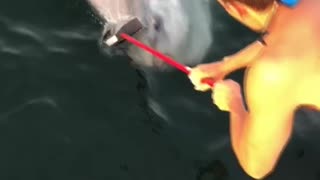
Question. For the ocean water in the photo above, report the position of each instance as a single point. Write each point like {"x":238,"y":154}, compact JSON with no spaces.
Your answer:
{"x":69,"y":112}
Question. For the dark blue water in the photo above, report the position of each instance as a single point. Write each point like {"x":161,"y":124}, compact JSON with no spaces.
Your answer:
{"x":68,"y":112}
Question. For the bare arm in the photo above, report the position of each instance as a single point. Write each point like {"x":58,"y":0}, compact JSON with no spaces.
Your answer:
{"x":243,"y":58}
{"x":231,"y":63}
{"x":218,"y":70}
{"x":260,"y":135}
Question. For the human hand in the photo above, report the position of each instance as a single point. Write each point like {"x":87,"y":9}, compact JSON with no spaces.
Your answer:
{"x":213,"y":71}
{"x":227,"y":95}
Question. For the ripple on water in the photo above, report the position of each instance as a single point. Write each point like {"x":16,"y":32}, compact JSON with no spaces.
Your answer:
{"x":27,"y":40}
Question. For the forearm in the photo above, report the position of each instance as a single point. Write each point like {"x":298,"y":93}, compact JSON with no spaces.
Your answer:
{"x":238,"y":116}
{"x":242,"y":58}
{"x":248,"y":156}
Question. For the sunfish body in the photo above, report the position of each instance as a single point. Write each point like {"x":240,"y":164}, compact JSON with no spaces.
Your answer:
{"x":178,"y":28}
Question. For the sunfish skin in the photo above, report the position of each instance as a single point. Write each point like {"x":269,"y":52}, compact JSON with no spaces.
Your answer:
{"x":178,"y":28}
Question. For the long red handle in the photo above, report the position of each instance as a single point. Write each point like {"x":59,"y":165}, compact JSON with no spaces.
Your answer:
{"x":163,"y":57}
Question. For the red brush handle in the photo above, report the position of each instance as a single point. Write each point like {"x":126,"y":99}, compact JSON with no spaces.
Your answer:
{"x":208,"y":81}
{"x":163,"y":57}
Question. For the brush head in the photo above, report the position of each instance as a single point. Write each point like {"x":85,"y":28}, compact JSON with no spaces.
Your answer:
{"x":130,"y":27}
